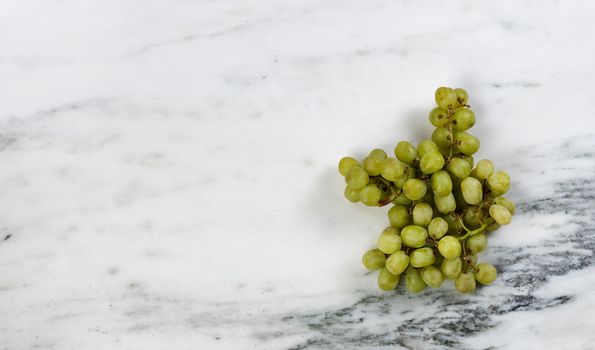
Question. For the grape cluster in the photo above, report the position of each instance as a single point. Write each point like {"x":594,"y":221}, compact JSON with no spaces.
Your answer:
{"x":444,"y":205}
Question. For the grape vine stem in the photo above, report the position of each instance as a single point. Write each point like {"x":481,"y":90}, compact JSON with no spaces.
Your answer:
{"x":470,"y":233}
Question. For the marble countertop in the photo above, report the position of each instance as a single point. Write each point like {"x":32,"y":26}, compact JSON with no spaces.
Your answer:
{"x":168,"y":171}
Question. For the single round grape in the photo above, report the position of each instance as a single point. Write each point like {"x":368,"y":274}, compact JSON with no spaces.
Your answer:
{"x":397,"y":262}
{"x":378,"y":154}
{"x":422,"y":214}
{"x":459,"y":168}
{"x":463,"y":119}
{"x":451,"y":268}
{"x":406,"y":152}
{"x":465,"y":283}
{"x":373,"y":259}
{"x":391,"y":169}
{"x":399,"y":216}
{"x":469,"y":159}
{"x":467,"y":144}
{"x":347,"y":163}
{"x":372,"y":165}
{"x":413,"y":281}
{"x":414,"y":189}
{"x":431,"y":162}
{"x":402,"y":199}
{"x":471,"y":190}
{"x":437,"y":228}
{"x":445,"y":204}
{"x":506,"y":203}
{"x":442,"y":137}
{"x":370,"y":195}
{"x":462,"y":96}
{"x":477,"y":243}
{"x":454,"y":226}
{"x":493,"y":227}
{"x":439,"y":117}
{"x":500,"y":214}
{"x":472,"y":217}
{"x":499,"y":182}
{"x":389,"y":240}
{"x":425,"y":147}
{"x":422,"y":257}
{"x":414,"y":236}
{"x":484,"y":169}
{"x":386,"y":280}
{"x":351,"y":194}
{"x":357,"y":178}
{"x":449,"y":247}
{"x":485,"y":273}
{"x":432,"y":276}
{"x":441,"y":183}
{"x":445,"y":97}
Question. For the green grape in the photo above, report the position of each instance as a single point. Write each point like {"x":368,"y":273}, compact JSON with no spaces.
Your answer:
{"x":437,"y":228}
{"x":442,"y":137}
{"x":441,"y":183}
{"x":477,"y":243}
{"x":445,"y":97}
{"x":372,"y":165}
{"x":432,"y":276}
{"x":506,"y":203}
{"x":422,"y":214}
{"x":389,"y":240}
{"x":414,"y":236}
{"x":386,"y":280}
{"x":399,"y":216}
{"x":397,"y":262}
{"x":445,"y":204}
{"x":373,"y":259}
{"x":462,"y":96}
{"x":471,"y":190}
{"x":472,"y":217}
{"x":467,"y":144}
{"x":484,"y":169}
{"x":463,"y":119}
{"x":402,"y":199}
{"x":425,"y":147}
{"x":439,"y":260}
{"x":471,"y":258}
{"x":431,"y":162}
{"x":469,"y":159}
{"x":454,"y":226}
{"x":391,"y":169}
{"x":465,"y":283}
{"x":422,"y":257}
{"x":351,"y":194}
{"x":357,"y":178}
{"x":414,"y":189}
{"x":445,"y":151}
{"x":459,"y":168}
{"x":485,"y":273}
{"x":413,"y":281}
{"x":499,"y":182}
{"x":493,"y":227}
{"x":370,"y":195}
{"x":449,"y":247}
{"x":439,"y":117}
{"x":347,"y":163}
{"x":500,"y":214}
{"x":406,"y":152}
{"x":460,"y":200}
{"x":451,"y":268}
{"x":378,"y":154}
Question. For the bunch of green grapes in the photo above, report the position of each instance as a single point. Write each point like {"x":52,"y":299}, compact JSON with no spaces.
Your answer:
{"x":444,"y":205}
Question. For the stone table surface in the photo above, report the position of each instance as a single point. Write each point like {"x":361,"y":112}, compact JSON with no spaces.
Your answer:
{"x":168,"y":171}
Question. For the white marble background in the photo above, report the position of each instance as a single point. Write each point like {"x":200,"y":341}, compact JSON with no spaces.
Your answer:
{"x":168,"y":180}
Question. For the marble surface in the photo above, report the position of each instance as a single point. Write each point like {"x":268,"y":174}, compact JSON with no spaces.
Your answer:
{"x":168,"y":180}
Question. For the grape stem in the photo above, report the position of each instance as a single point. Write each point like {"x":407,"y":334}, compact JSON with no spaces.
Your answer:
{"x":470,"y":233}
